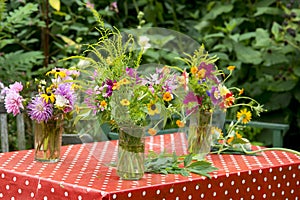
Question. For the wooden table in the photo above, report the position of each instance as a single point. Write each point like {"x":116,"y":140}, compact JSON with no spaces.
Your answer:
{"x":84,"y":173}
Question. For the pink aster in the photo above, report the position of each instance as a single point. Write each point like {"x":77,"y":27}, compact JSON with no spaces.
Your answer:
{"x":17,"y":87}
{"x":13,"y":102}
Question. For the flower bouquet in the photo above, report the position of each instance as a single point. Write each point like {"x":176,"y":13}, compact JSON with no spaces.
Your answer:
{"x":54,"y":99}
{"x":130,"y":100}
{"x":206,"y":91}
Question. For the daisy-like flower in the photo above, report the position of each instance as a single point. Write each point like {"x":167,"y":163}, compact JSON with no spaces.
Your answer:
{"x":40,"y":110}
{"x":58,"y":72}
{"x":152,"y":108}
{"x":180,"y":123}
{"x":48,"y":96}
{"x":244,"y":116}
{"x":167,"y":96}
{"x":125,"y":102}
{"x":103,"y":105}
{"x":13,"y":102}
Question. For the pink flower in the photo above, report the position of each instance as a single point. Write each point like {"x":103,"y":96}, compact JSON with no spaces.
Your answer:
{"x":17,"y":87}
{"x":13,"y":102}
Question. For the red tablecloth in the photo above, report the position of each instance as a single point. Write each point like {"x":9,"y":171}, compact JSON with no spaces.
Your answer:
{"x":84,"y":173}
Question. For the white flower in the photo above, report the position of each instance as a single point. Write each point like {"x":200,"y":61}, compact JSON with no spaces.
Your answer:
{"x":144,"y":43}
{"x":61,"y":101}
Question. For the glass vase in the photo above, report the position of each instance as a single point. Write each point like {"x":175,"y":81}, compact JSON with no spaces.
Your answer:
{"x":47,"y":140}
{"x":131,"y":152}
{"x":199,"y":134}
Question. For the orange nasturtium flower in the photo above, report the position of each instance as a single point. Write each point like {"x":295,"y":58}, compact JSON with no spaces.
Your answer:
{"x":180,"y":123}
{"x":167,"y":96}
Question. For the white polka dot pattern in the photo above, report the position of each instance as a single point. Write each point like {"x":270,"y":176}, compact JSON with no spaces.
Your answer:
{"x":84,"y":173}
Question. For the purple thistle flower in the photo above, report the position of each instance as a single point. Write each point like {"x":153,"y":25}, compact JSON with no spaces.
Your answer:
{"x":39,"y":110}
{"x":13,"y":102}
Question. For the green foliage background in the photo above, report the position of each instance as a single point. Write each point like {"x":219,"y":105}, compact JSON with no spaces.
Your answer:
{"x":260,"y":37}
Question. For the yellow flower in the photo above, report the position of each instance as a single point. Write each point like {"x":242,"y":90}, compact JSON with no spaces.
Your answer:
{"x":125,"y":102}
{"x":152,"y":108}
{"x":48,"y":96}
{"x":116,"y":86}
{"x":124,"y":81}
{"x":201,"y":73}
{"x":241,"y":91}
{"x":152,"y":131}
{"x":229,"y":140}
{"x":244,"y":116}
{"x":103,"y":104}
{"x":167,"y":96}
{"x":180,"y":123}
{"x":194,"y":70}
{"x":57,"y":72}
{"x":238,"y":135}
{"x":231,"y":68}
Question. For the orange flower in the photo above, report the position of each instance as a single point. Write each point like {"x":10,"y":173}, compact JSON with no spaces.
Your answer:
{"x":152,"y":131}
{"x":229,"y":140}
{"x":241,"y":91}
{"x":194,"y":70}
{"x":180,"y":123}
{"x":201,"y":73}
{"x":167,"y":96}
{"x":231,"y":68}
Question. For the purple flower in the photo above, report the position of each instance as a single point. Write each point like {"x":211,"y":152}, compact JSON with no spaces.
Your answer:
{"x":13,"y":102}
{"x":209,"y":74}
{"x":192,"y":98}
{"x":108,"y":85}
{"x":39,"y":110}
{"x":65,"y":97}
{"x":215,"y":95}
{"x":133,"y":73}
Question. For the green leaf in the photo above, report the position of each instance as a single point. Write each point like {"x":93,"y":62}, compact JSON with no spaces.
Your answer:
{"x":267,"y":10}
{"x":281,"y":85}
{"x":188,"y":159}
{"x":278,"y":35}
{"x":247,"y":54}
{"x":297,"y":95}
{"x":274,"y":58}
{"x":262,"y":38}
{"x":218,"y":10}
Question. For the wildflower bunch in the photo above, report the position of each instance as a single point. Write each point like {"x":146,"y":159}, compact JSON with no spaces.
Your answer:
{"x":56,"y":95}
